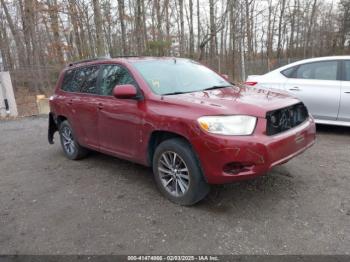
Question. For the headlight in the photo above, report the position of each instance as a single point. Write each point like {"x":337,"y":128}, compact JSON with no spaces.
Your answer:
{"x":238,"y":125}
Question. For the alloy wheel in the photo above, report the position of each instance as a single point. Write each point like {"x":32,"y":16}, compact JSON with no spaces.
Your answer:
{"x":173,"y":173}
{"x":68,"y":140}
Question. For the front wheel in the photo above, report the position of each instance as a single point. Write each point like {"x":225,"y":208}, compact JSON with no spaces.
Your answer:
{"x":70,"y":146}
{"x":177,"y":172}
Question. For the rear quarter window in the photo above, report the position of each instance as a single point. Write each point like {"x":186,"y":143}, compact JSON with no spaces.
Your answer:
{"x":289,"y":72}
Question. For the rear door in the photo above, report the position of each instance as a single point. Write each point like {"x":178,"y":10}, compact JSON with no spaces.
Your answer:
{"x":119,"y":119}
{"x":317,"y":84}
{"x":83,"y":106}
{"x":344,"y":110}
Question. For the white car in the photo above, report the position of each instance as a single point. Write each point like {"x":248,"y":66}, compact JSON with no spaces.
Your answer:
{"x":323,"y":84}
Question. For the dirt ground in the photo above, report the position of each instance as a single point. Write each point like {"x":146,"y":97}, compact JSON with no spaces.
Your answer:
{"x":103,"y":205}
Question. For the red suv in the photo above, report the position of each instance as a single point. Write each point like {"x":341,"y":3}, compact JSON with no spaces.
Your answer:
{"x":190,"y":124}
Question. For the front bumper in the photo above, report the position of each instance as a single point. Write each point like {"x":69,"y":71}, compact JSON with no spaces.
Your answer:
{"x":226,"y":159}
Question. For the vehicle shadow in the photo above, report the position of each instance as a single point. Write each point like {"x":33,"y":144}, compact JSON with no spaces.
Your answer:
{"x":276,"y":185}
{"x":222,"y":199}
{"x":330,"y":129}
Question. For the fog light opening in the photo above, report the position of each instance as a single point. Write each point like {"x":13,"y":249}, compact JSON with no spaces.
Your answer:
{"x":235,"y":168}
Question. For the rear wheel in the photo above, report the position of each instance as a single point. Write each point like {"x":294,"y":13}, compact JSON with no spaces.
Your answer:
{"x":177,"y":172}
{"x":70,"y":146}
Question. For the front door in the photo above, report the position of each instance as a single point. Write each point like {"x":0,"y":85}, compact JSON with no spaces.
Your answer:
{"x":317,"y":85}
{"x":344,"y":110}
{"x":119,"y":119}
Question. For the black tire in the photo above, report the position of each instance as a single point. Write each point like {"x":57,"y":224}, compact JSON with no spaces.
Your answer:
{"x":74,"y":152}
{"x":196,"y":188}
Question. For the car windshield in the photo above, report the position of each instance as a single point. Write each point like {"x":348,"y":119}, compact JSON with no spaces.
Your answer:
{"x":174,"y":76}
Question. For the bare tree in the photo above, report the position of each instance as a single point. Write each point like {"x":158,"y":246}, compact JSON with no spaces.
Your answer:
{"x":280,"y":24}
{"x":98,"y":28}
{"x":182,"y":27}
{"x":121,"y":9}
{"x":309,"y":29}
{"x":138,"y":27}
{"x":15,"y":32}
{"x":198,"y":26}
{"x":236,"y":36}
{"x":55,"y":27}
{"x":212,"y":30}
{"x":191,"y":29}
{"x":344,"y":30}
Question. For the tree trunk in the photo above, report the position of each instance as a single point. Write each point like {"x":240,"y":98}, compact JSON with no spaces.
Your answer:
{"x":309,"y":29}
{"x":16,"y":35}
{"x":292,"y":31}
{"x":279,"y":41}
{"x":182,"y":28}
{"x":198,"y":26}
{"x":159,"y":20}
{"x":5,"y":53}
{"x":167,"y":20}
{"x":98,"y":27}
{"x":191,"y":29}
{"x":145,"y":36}
{"x":138,"y":27}
{"x":53,"y":13}
{"x":249,"y":5}
{"x":121,"y":9}
{"x":212,"y":31}
{"x":232,"y":38}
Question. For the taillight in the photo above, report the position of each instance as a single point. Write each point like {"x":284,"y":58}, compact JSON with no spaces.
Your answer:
{"x":250,"y":83}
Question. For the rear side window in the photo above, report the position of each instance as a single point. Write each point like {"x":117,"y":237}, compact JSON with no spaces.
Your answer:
{"x":319,"y":70}
{"x":347,"y":70}
{"x":113,"y":75}
{"x":81,"y":80}
{"x":88,"y":79}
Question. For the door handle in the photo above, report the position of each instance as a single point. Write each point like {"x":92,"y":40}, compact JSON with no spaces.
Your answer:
{"x":100,"y":106}
{"x":70,"y":102}
{"x":295,"y":88}
{"x":347,"y":92}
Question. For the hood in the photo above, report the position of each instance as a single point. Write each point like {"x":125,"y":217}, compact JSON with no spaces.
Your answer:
{"x":234,"y":100}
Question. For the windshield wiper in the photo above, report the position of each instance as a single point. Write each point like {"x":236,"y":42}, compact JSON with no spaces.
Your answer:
{"x":216,"y":87}
{"x":174,"y":93}
{"x":209,"y":88}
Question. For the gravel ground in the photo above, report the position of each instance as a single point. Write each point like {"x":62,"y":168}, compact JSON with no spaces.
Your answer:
{"x":103,"y":205}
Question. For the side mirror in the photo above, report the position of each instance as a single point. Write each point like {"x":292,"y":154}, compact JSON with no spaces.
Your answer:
{"x":225,"y":76}
{"x":124,"y":91}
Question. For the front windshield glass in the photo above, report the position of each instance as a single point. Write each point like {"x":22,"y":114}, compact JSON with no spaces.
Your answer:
{"x":169,"y":76}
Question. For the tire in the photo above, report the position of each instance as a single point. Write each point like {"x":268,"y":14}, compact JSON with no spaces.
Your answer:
{"x":70,"y":146}
{"x":179,"y":186}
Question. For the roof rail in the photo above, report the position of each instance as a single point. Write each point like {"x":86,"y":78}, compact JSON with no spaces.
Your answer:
{"x":125,"y":56}
{"x":88,"y":60}
{"x":99,"y":58}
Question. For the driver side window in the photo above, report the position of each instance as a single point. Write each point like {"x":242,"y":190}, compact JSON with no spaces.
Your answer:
{"x":113,"y":75}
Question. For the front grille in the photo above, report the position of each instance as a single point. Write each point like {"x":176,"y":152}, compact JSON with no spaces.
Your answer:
{"x":286,"y":118}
